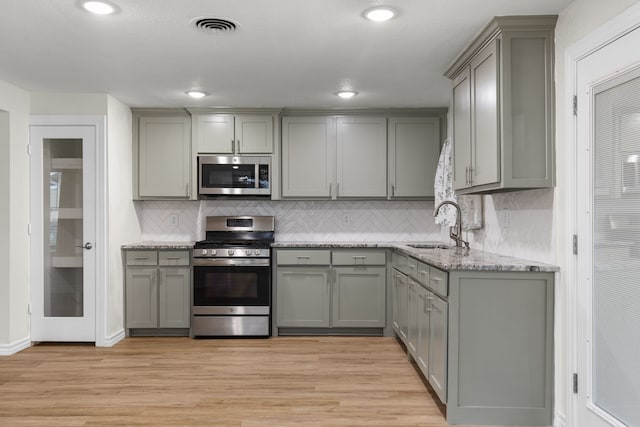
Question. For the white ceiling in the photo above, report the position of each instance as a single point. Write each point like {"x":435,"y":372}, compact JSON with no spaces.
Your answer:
{"x":286,"y":53}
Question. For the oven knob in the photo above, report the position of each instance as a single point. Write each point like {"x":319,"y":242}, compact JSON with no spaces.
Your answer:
{"x":257,"y":252}
{"x":230,"y":252}
{"x":213,"y":251}
{"x":248,"y":252}
{"x":204,"y":251}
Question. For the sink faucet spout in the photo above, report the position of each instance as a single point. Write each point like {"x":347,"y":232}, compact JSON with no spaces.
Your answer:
{"x":457,"y":235}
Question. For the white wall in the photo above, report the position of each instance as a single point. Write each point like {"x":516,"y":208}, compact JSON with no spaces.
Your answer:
{"x":68,"y":104}
{"x":123,"y":222}
{"x":14,"y":216}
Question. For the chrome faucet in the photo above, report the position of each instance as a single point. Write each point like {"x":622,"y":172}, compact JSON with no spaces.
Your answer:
{"x":457,"y":236}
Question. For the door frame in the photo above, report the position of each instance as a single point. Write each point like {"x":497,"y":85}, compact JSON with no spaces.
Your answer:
{"x":609,"y":32}
{"x":101,"y":243}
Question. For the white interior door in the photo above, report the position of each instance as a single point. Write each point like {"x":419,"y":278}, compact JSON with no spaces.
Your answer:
{"x":608,"y":223}
{"x":63,"y":212}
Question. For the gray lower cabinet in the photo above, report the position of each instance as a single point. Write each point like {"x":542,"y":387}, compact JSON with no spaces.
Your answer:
{"x":157,"y":292}
{"x":482,"y":339}
{"x":400,"y":318}
{"x":500,"y":362}
{"x":329,"y":290}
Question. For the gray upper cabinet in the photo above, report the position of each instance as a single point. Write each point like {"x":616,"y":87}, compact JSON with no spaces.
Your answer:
{"x":361,"y":157}
{"x":162,"y":156}
{"x":308,"y":150}
{"x":502,"y":107}
{"x":414,"y":148}
{"x":233,"y":134}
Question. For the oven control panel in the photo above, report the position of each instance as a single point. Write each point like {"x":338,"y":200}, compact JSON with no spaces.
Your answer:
{"x":231,"y":253}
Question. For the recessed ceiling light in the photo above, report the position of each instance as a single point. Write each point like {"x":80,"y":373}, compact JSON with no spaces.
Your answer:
{"x":196,"y":94}
{"x":98,"y":7}
{"x":346,"y":94}
{"x":379,"y":14}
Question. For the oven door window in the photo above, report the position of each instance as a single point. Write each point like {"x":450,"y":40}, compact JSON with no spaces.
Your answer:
{"x":231,"y":286}
{"x":229,"y":176}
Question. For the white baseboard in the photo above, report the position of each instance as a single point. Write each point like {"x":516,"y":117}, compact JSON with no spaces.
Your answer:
{"x":114,"y":339}
{"x":14,"y":347}
{"x":559,"y":420}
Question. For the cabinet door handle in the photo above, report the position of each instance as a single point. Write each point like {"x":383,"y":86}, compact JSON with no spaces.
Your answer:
{"x":466,"y":175}
{"x":233,"y":146}
{"x":186,"y":190}
{"x":470,"y":175}
{"x":239,"y":145}
{"x":393,"y":191}
{"x":330,"y":189}
{"x":337,"y":189}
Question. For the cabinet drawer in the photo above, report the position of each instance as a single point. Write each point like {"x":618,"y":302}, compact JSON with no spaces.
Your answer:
{"x":438,"y":281}
{"x":142,"y":258}
{"x":173,"y":257}
{"x":358,"y":257}
{"x":304,"y":257}
{"x":423,"y":273}
{"x":400,"y":262}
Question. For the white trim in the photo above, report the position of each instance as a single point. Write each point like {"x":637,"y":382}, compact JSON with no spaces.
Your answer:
{"x":559,"y":420}
{"x":114,"y":339}
{"x":102,"y":250}
{"x":607,"y":33}
{"x":15,"y":347}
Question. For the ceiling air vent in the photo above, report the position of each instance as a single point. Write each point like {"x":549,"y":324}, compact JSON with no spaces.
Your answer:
{"x":214,"y":25}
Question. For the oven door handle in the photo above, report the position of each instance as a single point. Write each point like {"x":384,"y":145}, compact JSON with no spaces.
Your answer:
{"x":231,"y":262}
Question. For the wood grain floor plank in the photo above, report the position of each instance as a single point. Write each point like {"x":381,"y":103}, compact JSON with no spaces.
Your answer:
{"x":177,"y":381}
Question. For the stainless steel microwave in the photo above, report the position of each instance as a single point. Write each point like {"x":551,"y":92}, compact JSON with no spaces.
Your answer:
{"x":234,"y":176}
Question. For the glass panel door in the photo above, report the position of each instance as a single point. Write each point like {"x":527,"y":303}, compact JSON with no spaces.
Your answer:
{"x":616,"y":250}
{"x":63,"y":245}
{"x":63,"y":256}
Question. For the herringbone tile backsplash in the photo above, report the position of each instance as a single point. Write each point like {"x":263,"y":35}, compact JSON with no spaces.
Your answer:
{"x":298,"y":220}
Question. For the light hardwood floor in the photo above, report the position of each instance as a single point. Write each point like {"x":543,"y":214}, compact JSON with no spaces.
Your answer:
{"x":283,"y":381}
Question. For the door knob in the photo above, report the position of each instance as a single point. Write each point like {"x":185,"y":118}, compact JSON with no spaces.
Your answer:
{"x":87,"y":246}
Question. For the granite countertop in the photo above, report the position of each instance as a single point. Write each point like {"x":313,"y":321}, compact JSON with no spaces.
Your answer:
{"x":149,"y":244}
{"x":445,"y":259}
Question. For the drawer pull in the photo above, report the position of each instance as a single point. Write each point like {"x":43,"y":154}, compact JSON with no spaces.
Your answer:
{"x":437,"y":279}
{"x":141,"y":257}
{"x":302,"y":257}
{"x":173,"y":257}
{"x":359,"y":257}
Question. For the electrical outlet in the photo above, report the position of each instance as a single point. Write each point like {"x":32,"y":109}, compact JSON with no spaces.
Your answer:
{"x":174,"y":219}
{"x":346,"y":218}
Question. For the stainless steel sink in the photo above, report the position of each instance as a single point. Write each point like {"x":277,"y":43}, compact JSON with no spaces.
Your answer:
{"x":430,"y":246}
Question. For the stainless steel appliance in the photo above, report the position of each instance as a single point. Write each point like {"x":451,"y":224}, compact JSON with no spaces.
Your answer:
{"x":232,"y":277}
{"x":234,"y":176}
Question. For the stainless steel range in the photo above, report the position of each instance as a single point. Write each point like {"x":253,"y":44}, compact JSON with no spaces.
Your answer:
{"x":232,"y":277}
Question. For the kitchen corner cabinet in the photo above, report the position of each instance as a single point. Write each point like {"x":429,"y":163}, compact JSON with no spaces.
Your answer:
{"x":330,"y":291}
{"x":414,"y":149}
{"x":157,"y":292}
{"x":502,"y":107}
{"x":162,"y":156}
{"x":233,"y":134}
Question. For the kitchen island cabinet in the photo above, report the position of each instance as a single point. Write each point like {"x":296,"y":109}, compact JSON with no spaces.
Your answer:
{"x":323,"y":291}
